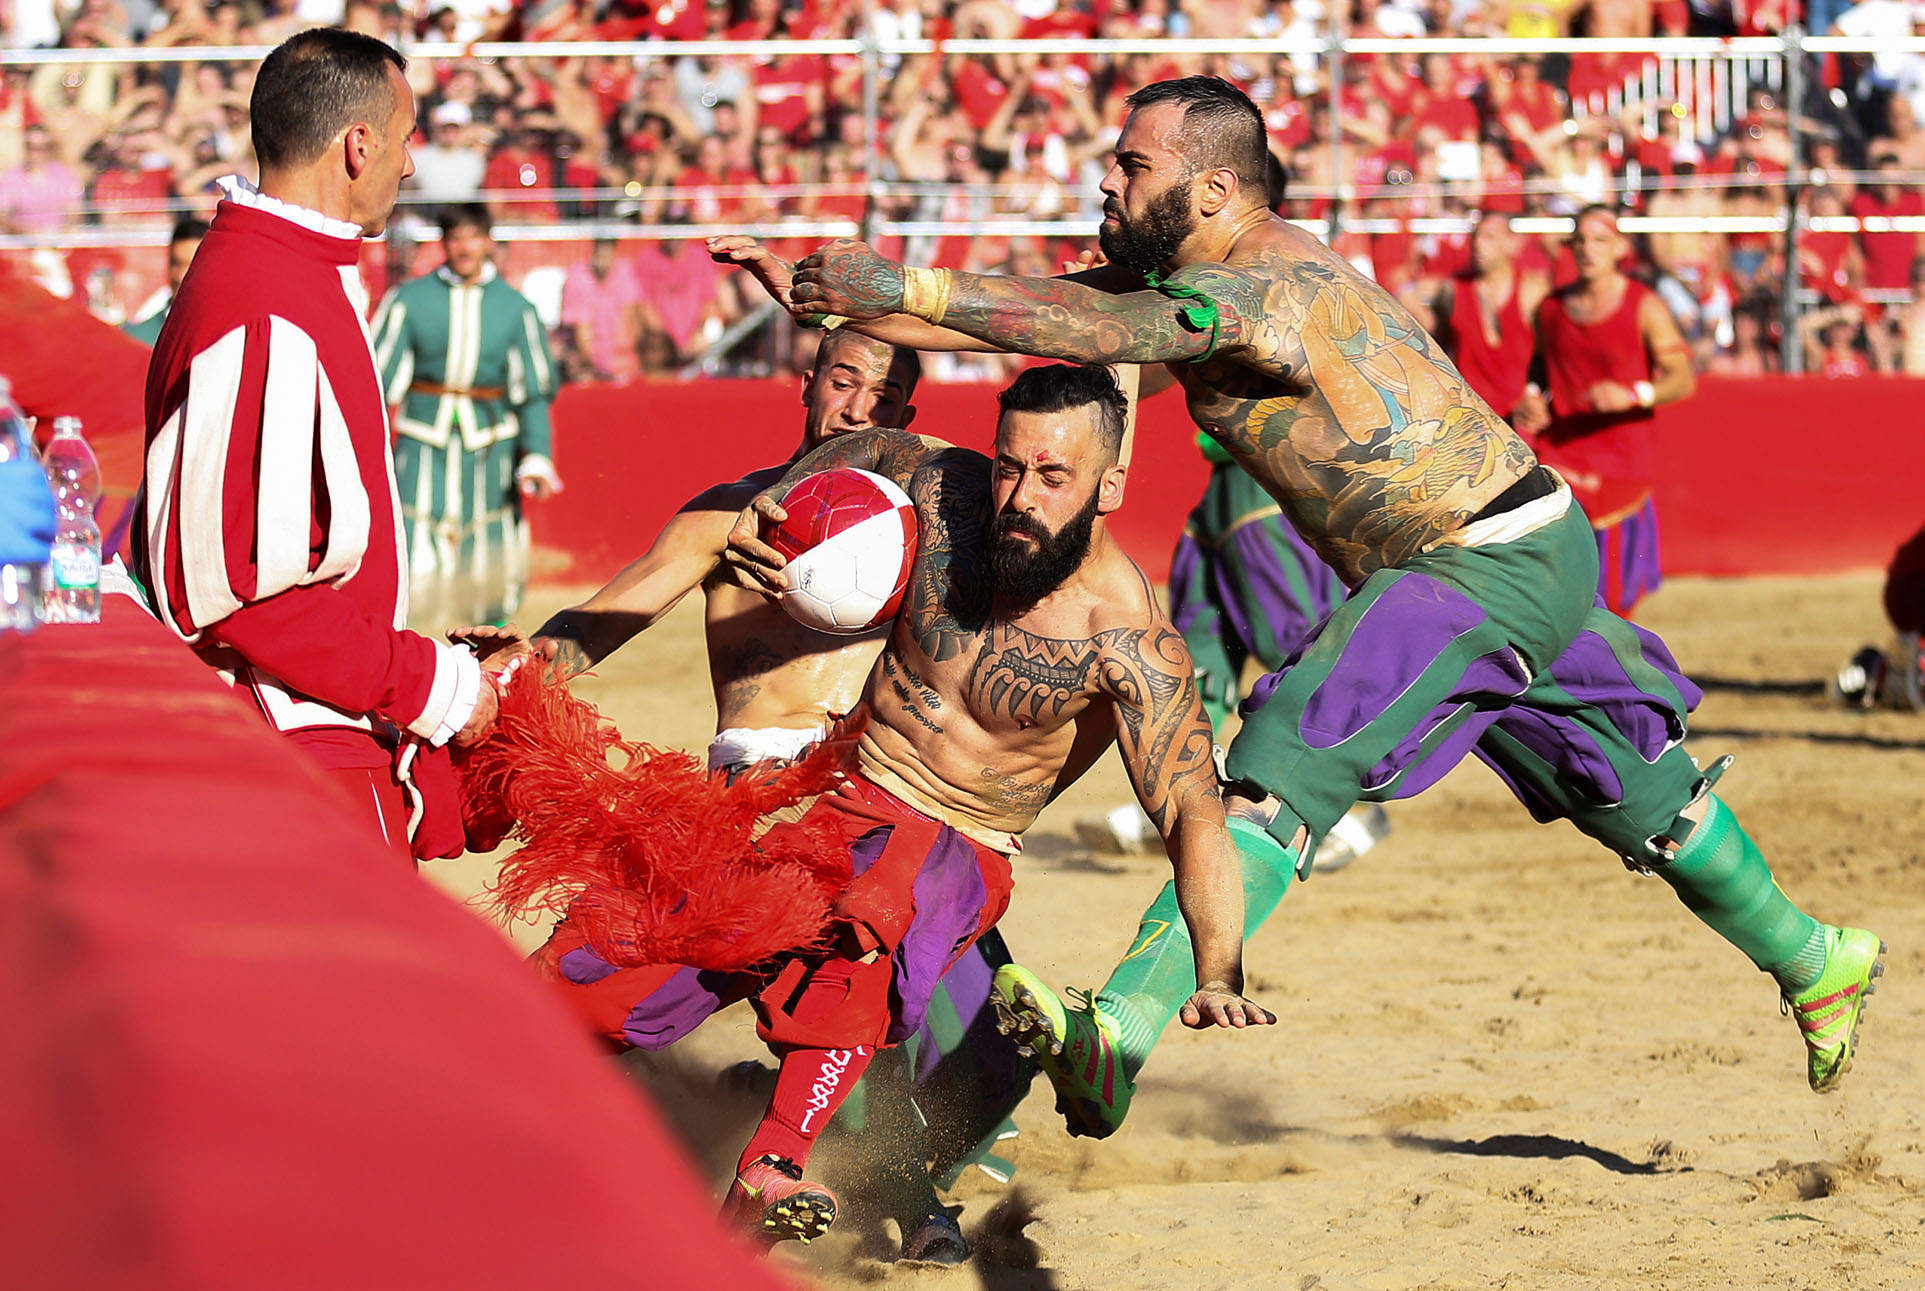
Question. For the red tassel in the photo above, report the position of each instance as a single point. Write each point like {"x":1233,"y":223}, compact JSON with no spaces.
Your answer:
{"x":654,"y":859}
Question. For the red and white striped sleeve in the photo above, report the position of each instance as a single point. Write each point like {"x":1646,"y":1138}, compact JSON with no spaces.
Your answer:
{"x":249,"y":533}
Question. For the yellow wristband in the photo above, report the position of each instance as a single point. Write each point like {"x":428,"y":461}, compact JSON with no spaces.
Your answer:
{"x":925,"y":293}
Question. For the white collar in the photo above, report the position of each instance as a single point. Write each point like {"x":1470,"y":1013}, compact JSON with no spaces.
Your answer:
{"x":241,"y":191}
{"x":488,"y":272}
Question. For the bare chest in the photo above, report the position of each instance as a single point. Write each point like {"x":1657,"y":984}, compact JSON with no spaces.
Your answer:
{"x":1011,"y":683}
{"x":769,"y":670}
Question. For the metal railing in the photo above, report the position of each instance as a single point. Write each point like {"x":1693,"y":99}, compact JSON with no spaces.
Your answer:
{"x":1708,"y":77}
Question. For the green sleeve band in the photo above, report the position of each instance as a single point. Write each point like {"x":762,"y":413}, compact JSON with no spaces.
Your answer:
{"x":1212,"y":451}
{"x":1201,"y":313}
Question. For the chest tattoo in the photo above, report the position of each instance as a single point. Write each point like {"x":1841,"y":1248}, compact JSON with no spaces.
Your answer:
{"x":1028,"y":678}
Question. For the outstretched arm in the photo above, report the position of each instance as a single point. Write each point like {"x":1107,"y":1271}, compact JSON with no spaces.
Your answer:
{"x":776,"y":275}
{"x":1165,"y":741}
{"x":684,"y":553}
{"x":1057,"y":318}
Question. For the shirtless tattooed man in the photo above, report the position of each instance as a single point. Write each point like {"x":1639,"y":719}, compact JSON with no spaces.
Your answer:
{"x":777,"y":683}
{"x":1469,"y":627}
{"x":777,"y":686}
{"x":1027,"y":643}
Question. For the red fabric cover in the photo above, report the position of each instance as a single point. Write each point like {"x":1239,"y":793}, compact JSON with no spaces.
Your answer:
{"x":245,"y":1048}
{"x":652,"y":859}
{"x":1497,"y":371}
{"x":1608,"y":458}
{"x":64,"y":362}
{"x":333,"y":642}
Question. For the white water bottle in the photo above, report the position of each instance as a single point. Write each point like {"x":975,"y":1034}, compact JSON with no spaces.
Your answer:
{"x":72,"y":581}
{"x":19,"y":584}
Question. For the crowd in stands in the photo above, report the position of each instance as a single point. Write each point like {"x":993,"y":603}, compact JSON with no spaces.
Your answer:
{"x":758,"y":140}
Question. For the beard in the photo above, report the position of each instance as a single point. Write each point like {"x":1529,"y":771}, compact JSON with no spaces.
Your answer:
{"x":1166,"y":222}
{"x":1023,"y":573}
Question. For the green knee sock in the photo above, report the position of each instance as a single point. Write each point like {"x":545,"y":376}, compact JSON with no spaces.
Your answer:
{"x":1721,"y":878}
{"x":1159,"y":974}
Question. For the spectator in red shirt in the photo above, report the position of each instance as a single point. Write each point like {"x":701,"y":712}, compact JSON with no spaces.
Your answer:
{"x":1888,"y":253}
{"x":700,"y":198}
{"x":520,"y":178}
{"x":761,"y":20}
{"x":979,"y":89}
{"x":1501,"y":181}
{"x":1831,"y":342}
{"x":124,"y":191}
{"x":1439,"y":105}
{"x":1829,"y":259}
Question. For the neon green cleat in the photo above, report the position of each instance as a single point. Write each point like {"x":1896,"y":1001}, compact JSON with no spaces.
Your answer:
{"x":1828,"y":1010}
{"x":1076,"y":1048}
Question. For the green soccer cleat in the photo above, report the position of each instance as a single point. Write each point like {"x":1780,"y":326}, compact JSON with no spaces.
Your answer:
{"x":1829,"y":1009}
{"x":1076,"y":1048}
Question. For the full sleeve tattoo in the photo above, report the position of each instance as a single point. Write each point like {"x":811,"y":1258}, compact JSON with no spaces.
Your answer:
{"x":895,"y":454}
{"x":948,"y":598}
{"x":1060,"y":319}
{"x":1161,"y":729}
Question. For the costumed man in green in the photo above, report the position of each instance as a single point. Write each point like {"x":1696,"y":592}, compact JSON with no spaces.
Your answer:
{"x":465,"y":364}
{"x":182,"y":243}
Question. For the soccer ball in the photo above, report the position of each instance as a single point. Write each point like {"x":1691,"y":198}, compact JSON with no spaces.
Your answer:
{"x":850,"y":540}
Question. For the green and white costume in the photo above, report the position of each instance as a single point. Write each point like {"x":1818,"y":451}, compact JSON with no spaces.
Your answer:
{"x":468,"y":365}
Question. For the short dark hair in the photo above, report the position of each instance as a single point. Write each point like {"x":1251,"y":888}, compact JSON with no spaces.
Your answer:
{"x":1059,"y":387}
{"x":904,"y":359}
{"x":189,"y":228}
{"x":1222,"y":128}
{"x":465,"y":215}
{"x":315,"y":85}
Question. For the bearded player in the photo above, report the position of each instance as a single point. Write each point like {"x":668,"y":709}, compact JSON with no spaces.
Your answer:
{"x":778,"y":685}
{"x":1027,"y":643}
{"x":1469,"y":626}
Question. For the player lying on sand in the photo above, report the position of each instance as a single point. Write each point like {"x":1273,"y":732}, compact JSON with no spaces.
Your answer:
{"x":1470,"y":626}
{"x":1027,"y":642}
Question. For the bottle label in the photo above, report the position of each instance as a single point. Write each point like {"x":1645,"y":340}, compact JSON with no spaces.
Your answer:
{"x":75,"y":568}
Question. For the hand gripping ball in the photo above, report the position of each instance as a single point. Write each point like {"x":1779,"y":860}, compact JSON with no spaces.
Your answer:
{"x":850,"y":540}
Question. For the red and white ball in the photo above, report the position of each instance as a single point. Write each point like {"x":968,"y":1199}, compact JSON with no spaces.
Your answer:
{"x":850,"y":540}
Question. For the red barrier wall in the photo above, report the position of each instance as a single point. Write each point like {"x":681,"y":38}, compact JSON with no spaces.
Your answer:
{"x":1778,"y":475}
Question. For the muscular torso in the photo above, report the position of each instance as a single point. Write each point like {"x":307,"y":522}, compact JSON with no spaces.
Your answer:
{"x":1349,"y":414}
{"x":769,"y":670}
{"x":975,"y":722}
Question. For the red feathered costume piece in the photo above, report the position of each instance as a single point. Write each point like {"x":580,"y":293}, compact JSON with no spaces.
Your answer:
{"x":653,"y":859}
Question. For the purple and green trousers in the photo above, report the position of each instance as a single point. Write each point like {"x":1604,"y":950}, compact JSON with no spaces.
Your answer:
{"x":1502,"y":651}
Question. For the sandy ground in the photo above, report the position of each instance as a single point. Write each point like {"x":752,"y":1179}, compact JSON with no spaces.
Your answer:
{"x":1504,"y":1060}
